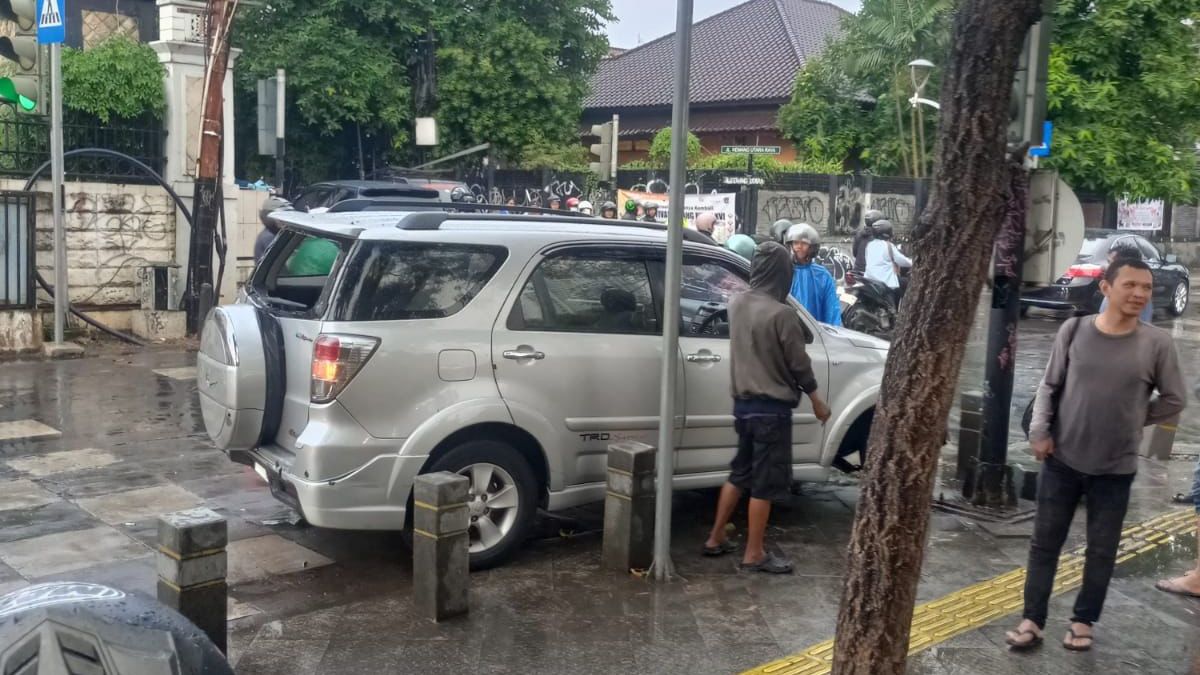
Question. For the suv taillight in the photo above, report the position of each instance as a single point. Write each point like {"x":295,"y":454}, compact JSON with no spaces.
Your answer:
{"x":336,"y":360}
{"x":1085,"y":271}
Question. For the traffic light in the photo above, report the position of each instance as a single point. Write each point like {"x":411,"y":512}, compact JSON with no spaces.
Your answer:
{"x":20,"y":46}
{"x":603,"y":150}
{"x":1027,"y":109}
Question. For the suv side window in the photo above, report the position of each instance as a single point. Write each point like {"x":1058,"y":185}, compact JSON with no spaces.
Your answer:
{"x":587,"y":293}
{"x":312,"y":198}
{"x":297,"y":270}
{"x":395,"y":281}
{"x":707,"y":287}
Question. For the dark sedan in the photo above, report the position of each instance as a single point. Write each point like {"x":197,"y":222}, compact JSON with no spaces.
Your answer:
{"x":1078,"y":289}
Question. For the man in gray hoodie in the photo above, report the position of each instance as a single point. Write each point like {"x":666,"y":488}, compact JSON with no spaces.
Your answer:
{"x":770,"y":372}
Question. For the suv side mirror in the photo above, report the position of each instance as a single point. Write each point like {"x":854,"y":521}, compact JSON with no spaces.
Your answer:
{"x":1171,"y":258}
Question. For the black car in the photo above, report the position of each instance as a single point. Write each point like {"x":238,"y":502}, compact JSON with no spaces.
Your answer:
{"x":320,"y":197}
{"x":1078,"y":289}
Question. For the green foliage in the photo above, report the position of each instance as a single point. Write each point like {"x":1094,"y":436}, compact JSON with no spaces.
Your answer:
{"x":766,"y":166}
{"x":118,"y":79}
{"x":563,"y":157}
{"x":660,"y":149}
{"x":513,"y":74}
{"x":1123,"y":91}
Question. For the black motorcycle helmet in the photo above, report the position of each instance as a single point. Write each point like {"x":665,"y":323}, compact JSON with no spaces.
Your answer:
{"x":871,"y":217}
{"x":884,"y":229}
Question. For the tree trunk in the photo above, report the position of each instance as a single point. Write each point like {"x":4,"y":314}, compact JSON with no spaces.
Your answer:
{"x":953,"y":243}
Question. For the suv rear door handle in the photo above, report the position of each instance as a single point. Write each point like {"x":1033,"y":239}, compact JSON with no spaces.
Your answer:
{"x":523,"y":353}
{"x":704,"y":358}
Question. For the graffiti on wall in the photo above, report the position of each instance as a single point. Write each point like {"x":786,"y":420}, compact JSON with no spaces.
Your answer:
{"x":850,"y":202}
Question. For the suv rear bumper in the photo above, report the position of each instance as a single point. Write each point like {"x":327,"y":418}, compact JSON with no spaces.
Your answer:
{"x":363,"y":499}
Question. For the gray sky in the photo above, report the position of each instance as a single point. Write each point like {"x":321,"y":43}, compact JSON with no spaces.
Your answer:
{"x":650,"y":19}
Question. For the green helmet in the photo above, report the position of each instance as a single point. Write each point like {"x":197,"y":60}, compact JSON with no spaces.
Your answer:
{"x":630,"y":206}
{"x":741,"y":245}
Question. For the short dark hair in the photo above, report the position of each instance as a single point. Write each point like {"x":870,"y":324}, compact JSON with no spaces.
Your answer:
{"x":1125,"y":249}
{"x":1110,"y":275}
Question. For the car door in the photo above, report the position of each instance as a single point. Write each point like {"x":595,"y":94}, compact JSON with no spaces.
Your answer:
{"x":578,"y":348}
{"x":709,"y":441}
{"x":1163,"y":278}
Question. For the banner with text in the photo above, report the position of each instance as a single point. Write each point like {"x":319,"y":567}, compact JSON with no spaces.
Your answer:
{"x":1140,"y":215}
{"x":723,"y":205}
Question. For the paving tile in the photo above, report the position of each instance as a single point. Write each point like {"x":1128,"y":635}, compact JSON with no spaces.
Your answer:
{"x":235,"y":610}
{"x":262,"y":557}
{"x":283,"y":657}
{"x":66,"y":551}
{"x":57,"y":516}
{"x":23,"y":494}
{"x":23,"y":429}
{"x":141,"y":504}
{"x":7,"y":587}
{"x":183,"y":373}
{"x":61,"y":462}
{"x":134,"y":575}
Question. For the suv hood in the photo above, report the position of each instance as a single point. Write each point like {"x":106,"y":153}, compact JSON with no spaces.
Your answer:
{"x":860,"y":340}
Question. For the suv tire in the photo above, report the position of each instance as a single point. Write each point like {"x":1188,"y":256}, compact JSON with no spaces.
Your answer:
{"x":506,"y":472}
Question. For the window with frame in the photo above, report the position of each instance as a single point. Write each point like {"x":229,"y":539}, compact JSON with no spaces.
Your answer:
{"x":706,"y":289}
{"x":587,"y":294}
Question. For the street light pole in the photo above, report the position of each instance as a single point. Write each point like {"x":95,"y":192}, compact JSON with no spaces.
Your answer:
{"x":662,"y":568}
{"x":920,"y":69}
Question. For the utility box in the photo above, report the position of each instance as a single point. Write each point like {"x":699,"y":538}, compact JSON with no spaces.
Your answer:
{"x":154,"y":287}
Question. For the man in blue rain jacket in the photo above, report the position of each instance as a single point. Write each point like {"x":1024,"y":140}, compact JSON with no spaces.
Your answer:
{"x":812,"y":284}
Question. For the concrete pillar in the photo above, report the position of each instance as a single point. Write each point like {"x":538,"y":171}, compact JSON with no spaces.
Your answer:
{"x":970,"y":426}
{"x":629,"y":508}
{"x":181,"y":51}
{"x":192,"y":565}
{"x":440,"y":545}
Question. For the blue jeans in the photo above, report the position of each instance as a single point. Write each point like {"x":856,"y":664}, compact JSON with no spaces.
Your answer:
{"x":1060,"y":489}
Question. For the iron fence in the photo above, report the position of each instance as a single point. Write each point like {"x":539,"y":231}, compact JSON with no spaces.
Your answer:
{"x":25,"y":145}
{"x":16,"y":250}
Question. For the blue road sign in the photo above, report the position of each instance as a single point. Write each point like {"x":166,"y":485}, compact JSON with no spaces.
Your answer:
{"x":51,"y":21}
{"x":1043,"y":150}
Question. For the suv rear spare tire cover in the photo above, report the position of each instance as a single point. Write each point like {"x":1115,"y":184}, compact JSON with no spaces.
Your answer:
{"x":231,"y":374}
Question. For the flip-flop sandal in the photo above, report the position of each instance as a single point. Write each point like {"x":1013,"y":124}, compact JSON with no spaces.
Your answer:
{"x":771,"y":564}
{"x":720,"y":549}
{"x":1166,"y":586}
{"x":1022,"y":646}
{"x":1069,"y":643}
{"x":1181,"y":498}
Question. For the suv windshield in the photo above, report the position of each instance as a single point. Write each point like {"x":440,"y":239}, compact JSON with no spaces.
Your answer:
{"x":391,"y":281}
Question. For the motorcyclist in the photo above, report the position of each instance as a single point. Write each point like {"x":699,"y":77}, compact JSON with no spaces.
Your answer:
{"x":742,"y":245}
{"x":631,"y":210}
{"x":812,"y":285}
{"x":863,"y":236}
{"x":608,"y":210}
{"x":573,"y":204}
{"x":706,"y":224}
{"x":650,"y":211}
{"x":585,"y":207}
{"x":779,"y":230}
{"x":270,"y":227}
{"x":554,"y":203}
{"x":884,"y":259}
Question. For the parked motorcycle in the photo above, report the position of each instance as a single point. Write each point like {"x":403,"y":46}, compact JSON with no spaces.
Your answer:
{"x":870,"y":308}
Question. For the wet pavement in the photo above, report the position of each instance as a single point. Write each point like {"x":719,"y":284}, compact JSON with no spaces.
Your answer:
{"x":92,"y":451}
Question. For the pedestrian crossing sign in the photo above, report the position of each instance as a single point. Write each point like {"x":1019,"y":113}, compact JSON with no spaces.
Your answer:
{"x":51,"y":26}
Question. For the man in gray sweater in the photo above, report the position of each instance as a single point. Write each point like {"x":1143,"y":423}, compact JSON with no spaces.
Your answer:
{"x":1090,"y":409}
{"x":770,"y":372}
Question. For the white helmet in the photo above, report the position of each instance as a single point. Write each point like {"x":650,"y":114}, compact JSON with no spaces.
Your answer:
{"x":803,"y":232}
{"x":586,"y":207}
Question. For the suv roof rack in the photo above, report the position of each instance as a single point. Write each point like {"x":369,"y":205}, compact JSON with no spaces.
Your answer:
{"x":431,"y":219}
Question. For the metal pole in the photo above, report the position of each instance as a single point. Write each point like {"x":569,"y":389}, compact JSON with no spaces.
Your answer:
{"x":280,"y":120}
{"x":663,"y":568}
{"x":56,"y":177}
{"x":616,"y":142}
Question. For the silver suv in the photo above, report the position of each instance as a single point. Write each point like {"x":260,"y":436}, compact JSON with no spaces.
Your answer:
{"x":368,"y":348}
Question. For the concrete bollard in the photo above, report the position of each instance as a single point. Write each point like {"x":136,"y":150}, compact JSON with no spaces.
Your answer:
{"x":192,"y":565}
{"x":970,"y":429}
{"x":441,"y":560}
{"x":629,"y":508}
{"x":1158,"y":440}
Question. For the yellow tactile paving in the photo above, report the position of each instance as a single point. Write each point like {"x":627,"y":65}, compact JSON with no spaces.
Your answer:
{"x":982,"y":603}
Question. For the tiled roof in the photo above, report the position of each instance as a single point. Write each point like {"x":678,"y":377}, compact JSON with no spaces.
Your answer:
{"x":699,"y":121}
{"x":750,"y":52}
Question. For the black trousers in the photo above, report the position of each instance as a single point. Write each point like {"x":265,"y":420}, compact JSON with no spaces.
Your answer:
{"x":1059,"y":490}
